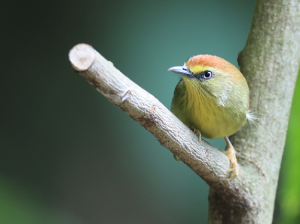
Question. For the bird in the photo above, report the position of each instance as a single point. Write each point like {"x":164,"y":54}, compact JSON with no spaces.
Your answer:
{"x":212,"y":99}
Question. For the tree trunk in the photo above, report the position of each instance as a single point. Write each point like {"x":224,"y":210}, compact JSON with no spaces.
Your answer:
{"x":270,"y":63}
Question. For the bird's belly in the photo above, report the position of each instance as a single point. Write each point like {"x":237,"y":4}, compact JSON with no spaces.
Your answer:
{"x":216,"y":124}
{"x":213,"y":121}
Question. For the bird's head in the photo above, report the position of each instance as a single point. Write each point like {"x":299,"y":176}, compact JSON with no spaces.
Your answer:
{"x":212,"y":75}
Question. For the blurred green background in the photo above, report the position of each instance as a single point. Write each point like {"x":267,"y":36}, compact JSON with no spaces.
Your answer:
{"x":67,"y":155}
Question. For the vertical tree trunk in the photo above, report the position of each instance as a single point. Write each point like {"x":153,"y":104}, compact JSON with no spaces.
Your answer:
{"x":270,"y":63}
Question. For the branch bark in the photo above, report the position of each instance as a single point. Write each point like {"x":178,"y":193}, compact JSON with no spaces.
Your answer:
{"x":270,"y":62}
{"x":208,"y":162}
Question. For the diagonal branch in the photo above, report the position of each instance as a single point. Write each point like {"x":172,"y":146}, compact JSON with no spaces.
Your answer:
{"x":208,"y":162}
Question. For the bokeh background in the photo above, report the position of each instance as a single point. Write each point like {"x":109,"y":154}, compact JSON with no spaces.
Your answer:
{"x":67,"y":155}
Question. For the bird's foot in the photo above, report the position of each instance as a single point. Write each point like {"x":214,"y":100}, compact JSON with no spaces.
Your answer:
{"x":197,"y":132}
{"x":231,"y":154}
{"x":176,"y":158}
{"x":234,"y":170}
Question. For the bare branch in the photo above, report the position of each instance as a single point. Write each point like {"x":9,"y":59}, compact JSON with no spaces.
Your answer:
{"x":208,"y":162}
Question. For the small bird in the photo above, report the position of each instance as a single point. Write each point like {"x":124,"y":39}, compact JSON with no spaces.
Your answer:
{"x":212,"y":98}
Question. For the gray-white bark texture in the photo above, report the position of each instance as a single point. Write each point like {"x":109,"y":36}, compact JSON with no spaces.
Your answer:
{"x":270,"y":62}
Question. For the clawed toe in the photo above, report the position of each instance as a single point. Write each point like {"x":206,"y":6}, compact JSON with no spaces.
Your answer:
{"x":197,"y":132}
{"x":232,"y":169}
{"x":230,"y":178}
{"x":234,"y":172}
{"x":176,"y":158}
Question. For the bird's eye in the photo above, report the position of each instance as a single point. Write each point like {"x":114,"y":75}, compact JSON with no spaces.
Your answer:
{"x":208,"y":75}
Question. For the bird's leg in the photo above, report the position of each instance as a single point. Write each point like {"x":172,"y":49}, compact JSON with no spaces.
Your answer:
{"x":230,"y":152}
{"x":197,"y":132}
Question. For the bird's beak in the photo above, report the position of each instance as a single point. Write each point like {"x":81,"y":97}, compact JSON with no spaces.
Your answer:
{"x":182,"y":70}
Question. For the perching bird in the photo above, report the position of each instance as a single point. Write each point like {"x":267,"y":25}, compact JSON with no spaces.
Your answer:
{"x":212,"y":98}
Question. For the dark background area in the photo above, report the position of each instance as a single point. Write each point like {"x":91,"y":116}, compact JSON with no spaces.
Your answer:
{"x":67,"y":155}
